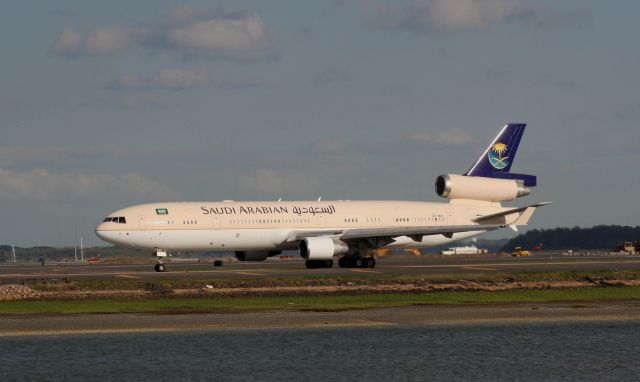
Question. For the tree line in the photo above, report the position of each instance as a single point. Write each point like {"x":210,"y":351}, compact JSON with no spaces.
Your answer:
{"x":598,"y":237}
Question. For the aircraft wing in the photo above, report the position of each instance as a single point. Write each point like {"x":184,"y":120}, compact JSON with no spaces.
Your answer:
{"x":388,"y":234}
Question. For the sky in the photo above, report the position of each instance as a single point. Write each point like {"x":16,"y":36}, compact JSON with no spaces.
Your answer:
{"x":104,"y":105}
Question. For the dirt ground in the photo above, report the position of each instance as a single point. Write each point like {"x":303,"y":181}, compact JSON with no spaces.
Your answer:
{"x":24,"y":292}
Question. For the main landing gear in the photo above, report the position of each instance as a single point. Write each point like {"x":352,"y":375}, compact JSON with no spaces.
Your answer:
{"x":159,"y":265}
{"x":313,"y":264}
{"x":357,"y":262}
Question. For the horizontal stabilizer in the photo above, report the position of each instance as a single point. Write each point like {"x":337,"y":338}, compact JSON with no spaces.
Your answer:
{"x":504,"y":217}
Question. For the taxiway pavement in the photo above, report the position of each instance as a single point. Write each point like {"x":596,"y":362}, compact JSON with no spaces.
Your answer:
{"x":274,"y":268}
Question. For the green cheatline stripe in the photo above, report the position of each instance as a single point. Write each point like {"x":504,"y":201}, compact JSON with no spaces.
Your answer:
{"x":339,"y":302}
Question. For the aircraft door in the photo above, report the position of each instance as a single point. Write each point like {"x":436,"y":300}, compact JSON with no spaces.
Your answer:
{"x":142,"y":221}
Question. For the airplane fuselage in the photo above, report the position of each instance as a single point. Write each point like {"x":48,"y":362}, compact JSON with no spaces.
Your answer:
{"x":249,"y":226}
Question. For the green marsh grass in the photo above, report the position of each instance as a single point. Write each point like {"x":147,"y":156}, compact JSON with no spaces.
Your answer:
{"x":212,"y":304}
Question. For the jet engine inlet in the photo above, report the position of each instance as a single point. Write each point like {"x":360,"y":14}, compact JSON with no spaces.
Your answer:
{"x":321,"y":248}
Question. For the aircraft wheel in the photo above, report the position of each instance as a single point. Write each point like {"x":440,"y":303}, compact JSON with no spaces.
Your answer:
{"x":159,"y":267}
{"x":359,"y":262}
{"x":328,"y":263}
{"x":343,"y":262}
{"x":371,"y":262}
{"x":311,"y":264}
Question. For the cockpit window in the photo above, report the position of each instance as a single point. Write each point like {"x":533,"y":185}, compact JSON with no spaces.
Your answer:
{"x":119,"y":219}
{"x":162,"y":211}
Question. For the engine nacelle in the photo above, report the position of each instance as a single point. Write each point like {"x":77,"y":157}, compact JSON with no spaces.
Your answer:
{"x":322,"y":248}
{"x":255,"y":255}
{"x":479,"y":188}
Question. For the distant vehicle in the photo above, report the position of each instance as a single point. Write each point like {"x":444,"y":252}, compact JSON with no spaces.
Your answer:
{"x":537,"y":247}
{"x":467,"y":250}
{"x":94,"y":259}
{"x":323,"y":230}
{"x":628,"y":247}
{"x":519,"y":252}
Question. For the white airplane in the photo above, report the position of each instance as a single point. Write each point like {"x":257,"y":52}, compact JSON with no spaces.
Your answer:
{"x":322,"y":230}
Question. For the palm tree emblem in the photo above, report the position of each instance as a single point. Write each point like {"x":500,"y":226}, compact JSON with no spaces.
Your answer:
{"x":496,"y":157}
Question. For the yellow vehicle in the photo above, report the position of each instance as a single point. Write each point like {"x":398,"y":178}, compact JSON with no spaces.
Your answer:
{"x":519,"y":252}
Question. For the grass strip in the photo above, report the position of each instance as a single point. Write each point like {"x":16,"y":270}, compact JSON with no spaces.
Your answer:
{"x":315,"y":303}
{"x":187,"y":283}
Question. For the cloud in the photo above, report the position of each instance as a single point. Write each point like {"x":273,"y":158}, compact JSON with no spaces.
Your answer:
{"x":103,"y":42}
{"x":443,"y":16}
{"x":242,"y":38}
{"x":236,"y":36}
{"x":170,"y":78}
{"x":269,"y":181}
{"x":452,"y":137}
{"x":40,"y":184}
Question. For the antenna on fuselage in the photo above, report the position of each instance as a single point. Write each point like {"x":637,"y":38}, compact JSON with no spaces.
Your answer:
{"x":319,"y":198}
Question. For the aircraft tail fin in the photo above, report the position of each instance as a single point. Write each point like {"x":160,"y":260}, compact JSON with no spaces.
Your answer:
{"x":497,"y":159}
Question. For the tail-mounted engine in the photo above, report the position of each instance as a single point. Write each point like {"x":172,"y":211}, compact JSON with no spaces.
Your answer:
{"x":480,"y":188}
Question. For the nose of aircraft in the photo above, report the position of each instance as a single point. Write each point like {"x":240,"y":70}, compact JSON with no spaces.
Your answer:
{"x":101,"y":232}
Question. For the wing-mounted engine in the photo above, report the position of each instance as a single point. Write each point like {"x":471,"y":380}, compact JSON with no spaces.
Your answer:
{"x":480,"y":188}
{"x":321,"y":248}
{"x":255,"y":255}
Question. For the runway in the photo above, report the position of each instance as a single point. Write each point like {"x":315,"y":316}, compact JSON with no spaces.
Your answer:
{"x":276,"y":268}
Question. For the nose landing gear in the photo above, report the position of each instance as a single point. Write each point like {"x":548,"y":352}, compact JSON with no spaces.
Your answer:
{"x":160,"y":265}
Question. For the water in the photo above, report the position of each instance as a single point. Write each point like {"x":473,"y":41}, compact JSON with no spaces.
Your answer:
{"x":544,"y":352}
